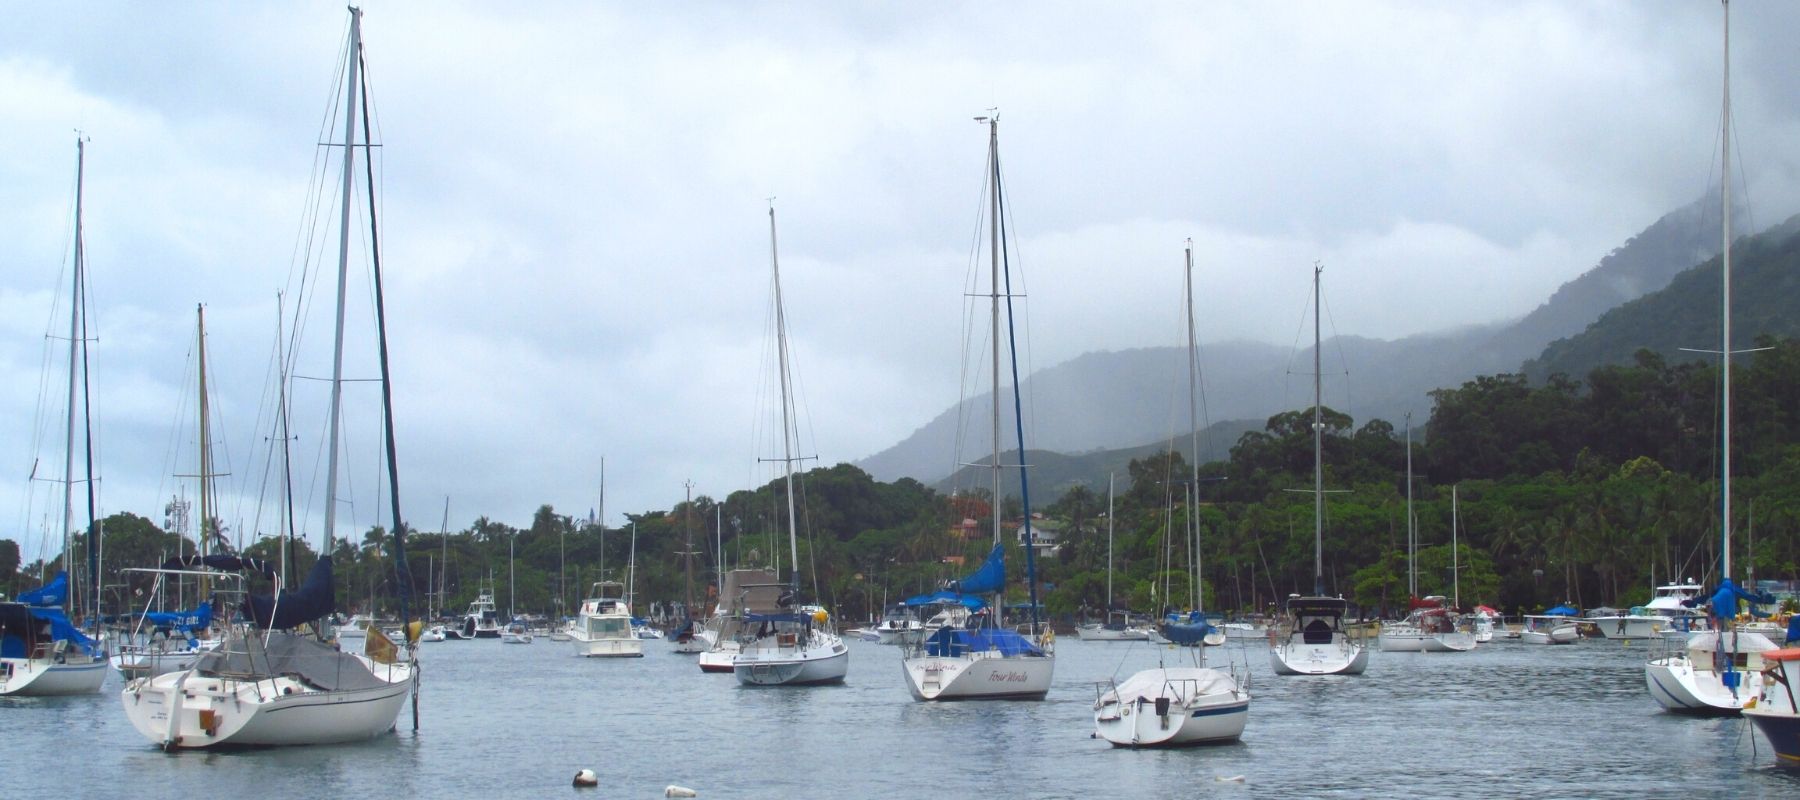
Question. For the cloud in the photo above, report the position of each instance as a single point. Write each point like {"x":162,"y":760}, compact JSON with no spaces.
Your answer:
{"x":574,"y":204}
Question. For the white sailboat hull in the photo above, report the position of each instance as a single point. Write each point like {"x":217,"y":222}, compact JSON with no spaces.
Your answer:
{"x":1691,"y":681}
{"x":1340,"y":656}
{"x":1563,"y":635}
{"x":1174,"y":707}
{"x":720,"y":658}
{"x":978,"y":676}
{"x":185,"y":710}
{"x":43,"y":677}
{"x":826,"y":661}
{"x":1099,"y":633}
{"x":1631,"y":627}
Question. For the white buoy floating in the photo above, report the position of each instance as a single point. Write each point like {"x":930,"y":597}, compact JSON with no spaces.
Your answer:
{"x":586,"y":778}
{"x":679,"y":791}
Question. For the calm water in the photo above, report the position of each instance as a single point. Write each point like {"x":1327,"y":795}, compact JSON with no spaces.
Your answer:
{"x":510,"y":720}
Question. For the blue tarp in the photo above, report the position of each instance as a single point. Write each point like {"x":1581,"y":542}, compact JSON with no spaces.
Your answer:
{"x":22,"y":626}
{"x":952,"y":642}
{"x":1562,"y":611}
{"x":990,"y":578}
{"x":945,"y":598}
{"x":54,"y":593}
{"x":1187,"y":633}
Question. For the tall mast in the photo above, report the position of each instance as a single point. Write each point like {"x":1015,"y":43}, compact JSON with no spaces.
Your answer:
{"x":1193,"y":360}
{"x":687,"y":518}
{"x":1318,"y":450}
{"x":444,"y":552}
{"x":1725,"y":327}
{"x":1109,"y":544}
{"x":76,"y":301}
{"x":787,"y":435}
{"x":1455,"y":556}
{"x":1412,"y":588}
{"x":994,"y":298}
{"x":205,"y":435}
{"x":603,"y":518}
{"x":288,"y":559}
{"x":337,"y":354}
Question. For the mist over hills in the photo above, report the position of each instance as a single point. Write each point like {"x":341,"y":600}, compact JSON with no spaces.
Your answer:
{"x":1123,"y":399}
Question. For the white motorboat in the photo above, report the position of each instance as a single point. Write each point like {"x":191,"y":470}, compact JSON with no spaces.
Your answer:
{"x":898,"y":627}
{"x":790,"y":644}
{"x":1430,"y":628}
{"x":1244,"y":631}
{"x":516,"y":633}
{"x":1172,"y":707}
{"x":481,"y":621}
{"x":1117,"y":628}
{"x":356,"y":627}
{"x":1315,"y":640}
{"x":1649,"y":621}
{"x":1549,"y":629}
{"x":1709,"y":673}
{"x":435,"y":633}
{"x":983,"y":659}
{"x":603,"y":627}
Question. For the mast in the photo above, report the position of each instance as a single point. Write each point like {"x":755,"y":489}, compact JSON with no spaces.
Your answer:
{"x":1455,"y":572}
{"x":687,"y":555}
{"x":1725,"y":326}
{"x":288,"y":559}
{"x":1029,"y":541}
{"x":1109,"y":544}
{"x":1194,"y":425}
{"x":603,"y":518}
{"x":1412,"y":587}
{"x":337,"y":354}
{"x":206,"y":473}
{"x":1318,"y":450}
{"x":787,"y":434}
{"x":444,"y":552}
{"x":75,"y":304}
{"x":630,"y":568}
{"x":994,"y":313}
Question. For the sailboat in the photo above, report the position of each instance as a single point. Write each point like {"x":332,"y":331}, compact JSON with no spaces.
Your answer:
{"x":1118,"y":626}
{"x":980,"y":659}
{"x":271,"y":682}
{"x":41,"y":651}
{"x":1316,"y":641}
{"x":794,"y":644}
{"x":1430,"y":625}
{"x":1182,"y":705}
{"x":1717,"y":671}
{"x":176,"y":640}
{"x":687,"y":639}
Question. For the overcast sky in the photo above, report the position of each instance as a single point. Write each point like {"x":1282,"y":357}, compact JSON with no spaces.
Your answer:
{"x":575,"y":208}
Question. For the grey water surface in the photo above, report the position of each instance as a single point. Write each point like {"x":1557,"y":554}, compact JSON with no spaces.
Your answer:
{"x":498,"y":720}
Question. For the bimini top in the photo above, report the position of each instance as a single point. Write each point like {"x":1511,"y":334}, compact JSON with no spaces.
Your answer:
{"x":955,"y":642}
{"x":1317,"y":606}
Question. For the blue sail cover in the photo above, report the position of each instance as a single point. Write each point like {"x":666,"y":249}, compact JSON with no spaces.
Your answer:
{"x":1562,"y":611}
{"x":1187,"y":633}
{"x":313,"y":600}
{"x":185,"y":621}
{"x":954,"y":642}
{"x":945,"y":597}
{"x":986,"y":580}
{"x":54,"y":593}
{"x":21,"y":629}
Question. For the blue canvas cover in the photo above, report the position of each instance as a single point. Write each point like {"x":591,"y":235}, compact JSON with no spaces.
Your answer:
{"x":945,"y":597}
{"x":1562,"y":611}
{"x":986,"y":580}
{"x":313,"y":600}
{"x":185,"y":621}
{"x":54,"y":593}
{"x":22,"y":628}
{"x":953,"y":642}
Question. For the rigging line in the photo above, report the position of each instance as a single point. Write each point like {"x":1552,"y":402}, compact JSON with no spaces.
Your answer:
{"x":969,"y":372}
{"x":1018,"y":417}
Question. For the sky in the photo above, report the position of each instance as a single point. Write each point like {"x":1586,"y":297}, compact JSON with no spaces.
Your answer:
{"x":574,"y":208}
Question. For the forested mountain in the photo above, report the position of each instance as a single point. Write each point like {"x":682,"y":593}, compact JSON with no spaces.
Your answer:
{"x":1765,"y":300}
{"x":1109,"y":400}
